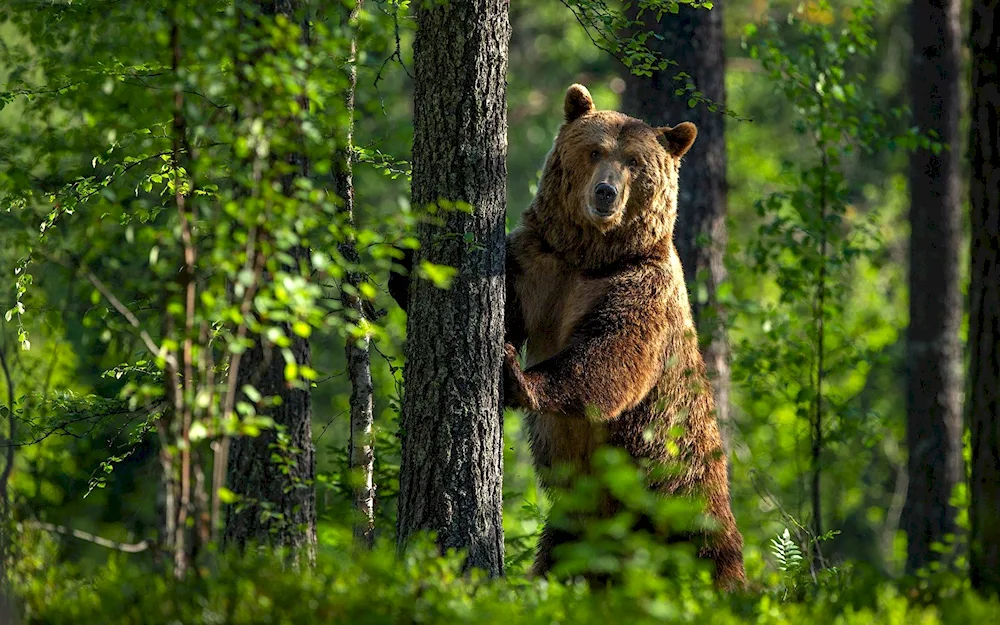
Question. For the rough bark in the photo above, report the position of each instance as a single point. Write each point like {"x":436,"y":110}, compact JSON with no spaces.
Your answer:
{"x":694,"y":39}
{"x":984,"y":307}
{"x":934,"y":420}
{"x":361,"y":448}
{"x":451,"y":429}
{"x":278,"y":504}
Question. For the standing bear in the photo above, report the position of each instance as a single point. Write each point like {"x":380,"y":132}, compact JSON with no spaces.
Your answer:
{"x":596,"y":291}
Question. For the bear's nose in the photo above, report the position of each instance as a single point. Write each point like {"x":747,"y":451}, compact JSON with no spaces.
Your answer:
{"x":606,"y":195}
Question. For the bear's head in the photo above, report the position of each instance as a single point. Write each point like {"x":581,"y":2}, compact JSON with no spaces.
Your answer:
{"x":609,"y":187}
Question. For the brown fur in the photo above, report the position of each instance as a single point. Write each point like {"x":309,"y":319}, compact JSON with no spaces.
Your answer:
{"x":612,"y":353}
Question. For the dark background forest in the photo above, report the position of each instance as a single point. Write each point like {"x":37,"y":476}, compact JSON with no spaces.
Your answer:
{"x":202,"y":369}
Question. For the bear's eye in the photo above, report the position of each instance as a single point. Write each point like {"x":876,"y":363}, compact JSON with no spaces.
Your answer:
{"x":595,"y":154}
{"x":633,"y":162}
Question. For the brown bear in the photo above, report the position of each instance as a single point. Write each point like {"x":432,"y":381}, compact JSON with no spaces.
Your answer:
{"x":596,"y":290}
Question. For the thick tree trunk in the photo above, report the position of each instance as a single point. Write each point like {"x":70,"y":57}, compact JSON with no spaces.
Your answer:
{"x":984,"y":308}
{"x":451,"y":472}
{"x":278,"y":504}
{"x":362,"y":450}
{"x":694,"y":39}
{"x":934,"y":420}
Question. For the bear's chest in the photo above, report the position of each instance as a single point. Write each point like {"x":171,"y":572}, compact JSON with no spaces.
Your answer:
{"x":554,"y":298}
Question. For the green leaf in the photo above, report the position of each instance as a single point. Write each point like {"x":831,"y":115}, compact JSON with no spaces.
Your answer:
{"x":227,"y":496}
{"x":198,"y":432}
{"x":301,"y":328}
{"x":440,"y":275}
{"x":252,"y":393}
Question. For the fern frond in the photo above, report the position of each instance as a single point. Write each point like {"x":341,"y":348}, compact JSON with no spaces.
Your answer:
{"x":786,"y":552}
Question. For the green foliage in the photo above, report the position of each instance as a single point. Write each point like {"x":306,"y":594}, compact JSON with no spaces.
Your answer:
{"x":633,"y":541}
{"x":816,"y":328}
{"x":380,"y":588}
{"x":605,"y":24}
{"x":145,"y":167}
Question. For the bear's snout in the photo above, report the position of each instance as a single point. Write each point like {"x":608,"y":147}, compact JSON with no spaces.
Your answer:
{"x":605,"y":196}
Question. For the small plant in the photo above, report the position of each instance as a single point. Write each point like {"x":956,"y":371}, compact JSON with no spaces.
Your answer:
{"x":790,"y":563}
{"x":787,"y":553}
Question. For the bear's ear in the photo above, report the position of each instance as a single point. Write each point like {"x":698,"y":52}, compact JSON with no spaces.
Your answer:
{"x":578,"y":102}
{"x":677,"y":140}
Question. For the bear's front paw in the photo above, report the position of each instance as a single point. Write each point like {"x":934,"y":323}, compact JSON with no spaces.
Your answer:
{"x":516,"y":390}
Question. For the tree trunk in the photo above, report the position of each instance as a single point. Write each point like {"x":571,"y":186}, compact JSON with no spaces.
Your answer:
{"x":984,"y":308}
{"x":361,"y":447}
{"x":278,"y":498}
{"x":694,"y":39}
{"x":451,"y":429}
{"x":6,"y":518}
{"x":934,"y":420}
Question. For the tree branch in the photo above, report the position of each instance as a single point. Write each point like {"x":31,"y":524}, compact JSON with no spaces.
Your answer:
{"x":91,"y":538}
{"x":124,"y":311}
